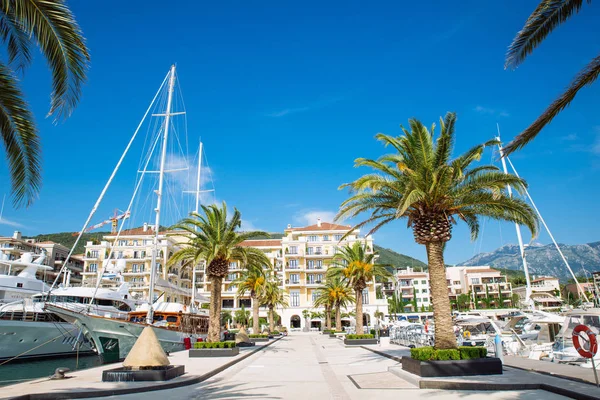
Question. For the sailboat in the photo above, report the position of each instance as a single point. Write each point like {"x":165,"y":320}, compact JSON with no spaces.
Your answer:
{"x":175,"y":324}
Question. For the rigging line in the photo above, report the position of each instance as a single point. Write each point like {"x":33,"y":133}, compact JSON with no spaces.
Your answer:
{"x":112,"y":248}
{"x":549,"y":233}
{"x":66,"y":262}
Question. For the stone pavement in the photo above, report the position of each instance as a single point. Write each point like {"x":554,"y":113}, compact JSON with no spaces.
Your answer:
{"x":310,"y":366}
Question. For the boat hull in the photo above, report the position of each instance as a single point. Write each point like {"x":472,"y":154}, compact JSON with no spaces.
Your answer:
{"x":115,"y":338}
{"x":38,"y":340}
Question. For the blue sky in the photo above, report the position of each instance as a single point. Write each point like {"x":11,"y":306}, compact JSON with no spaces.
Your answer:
{"x":286,"y":95}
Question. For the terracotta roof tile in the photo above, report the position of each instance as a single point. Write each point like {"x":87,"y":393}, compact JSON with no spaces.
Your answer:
{"x":261,"y":243}
{"x":325,"y":226}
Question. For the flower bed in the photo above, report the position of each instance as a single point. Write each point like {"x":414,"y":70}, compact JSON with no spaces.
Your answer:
{"x":429,"y":362}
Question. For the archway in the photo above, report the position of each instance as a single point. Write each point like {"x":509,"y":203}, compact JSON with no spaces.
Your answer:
{"x":366,"y":319}
{"x":295,"y":321}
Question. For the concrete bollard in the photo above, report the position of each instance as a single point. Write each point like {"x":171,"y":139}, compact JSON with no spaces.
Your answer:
{"x":498,"y":347}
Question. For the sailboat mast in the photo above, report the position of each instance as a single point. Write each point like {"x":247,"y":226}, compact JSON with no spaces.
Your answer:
{"x":196,"y":210}
{"x":519,"y":237}
{"x":163,"y":156}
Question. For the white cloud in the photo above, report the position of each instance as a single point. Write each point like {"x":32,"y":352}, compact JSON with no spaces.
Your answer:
{"x":4,"y":221}
{"x":248,"y":226}
{"x":568,"y":138}
{"x":491,"y":111}
{"x":185,"y":175}
{"x":310,"y":217}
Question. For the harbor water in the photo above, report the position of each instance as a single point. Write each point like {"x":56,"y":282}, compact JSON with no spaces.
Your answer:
{"x":12,"y":373}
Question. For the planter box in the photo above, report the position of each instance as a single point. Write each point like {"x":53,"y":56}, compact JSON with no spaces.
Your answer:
{"x":214,"y":352}
{"x":332,"y":336}
{"x":359,"y":342}
{"x":257,"y":340}
{"x":477,"y":366}
{"x":128,"y":375}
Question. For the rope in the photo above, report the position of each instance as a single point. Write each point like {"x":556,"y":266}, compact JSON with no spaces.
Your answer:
{"x":30,"y":350}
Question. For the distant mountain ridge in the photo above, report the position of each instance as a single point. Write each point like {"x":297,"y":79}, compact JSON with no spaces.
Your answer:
{"x":543,"y":259}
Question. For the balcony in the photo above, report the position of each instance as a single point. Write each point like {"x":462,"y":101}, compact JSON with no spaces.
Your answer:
{"x":298,"y":282}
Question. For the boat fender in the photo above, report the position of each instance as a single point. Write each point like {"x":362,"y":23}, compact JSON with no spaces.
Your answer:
{"x":593,"y":348}
{"x":467,"y":335}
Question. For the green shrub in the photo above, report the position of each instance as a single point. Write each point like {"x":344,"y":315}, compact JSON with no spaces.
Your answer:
{"x":214,"y":345}
{"x":258,"y":336}
{"x":360,"y":337}
{"x":468,"y":353}
{"x":275,"y":333}
{"x":463,"y":353}
{"x":373,"y":332}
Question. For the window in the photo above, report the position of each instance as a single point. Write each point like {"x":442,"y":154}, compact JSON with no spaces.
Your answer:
{"x":456,"y":282}
{"x":295,"y":298}
{"x":134,"y":268}
{"x":475,"y":281}
{"x":122,"y":242}
{"x":365,"y":296}
{"x":309,"y":251}
{"x":142,"y":267}
{"x":94,"y":254}
{"x":233,"y":265}
{"x":135,"y":243}
{"x":416,"y":290}
{"x":313,"y":238}
{"x":19,"y":285}
{"x":293,"y":264}
{"x":318,"y":250}
{"x":310,"y":264}
{"x":424,"y":291}
{"x":293,"y":249}
{"x":231,"y":277}
{"x":319,"y":264}
{"x":325,"y":238}
{"x":93,"y":268}
{"x":294,"y":278}
{"x":423,"y":282}
{"x":315,"y":294}
{"x":337,"y":238}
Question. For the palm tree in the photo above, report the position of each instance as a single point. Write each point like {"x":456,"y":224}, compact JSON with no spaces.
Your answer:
{"x":548,"y":15}
{"x":226,"y":317}
{"x":254,"y":281}
{"x":358,"y":268}
{"x":273,"y":297}
{"x":216,"y":240}
{"x":334,"y":294}
{"x":421,"y":183}
{"x":242,"y":316}
{"x":51,"y":26}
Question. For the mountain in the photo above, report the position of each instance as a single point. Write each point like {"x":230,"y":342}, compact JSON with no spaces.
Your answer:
{"x":544,"y":259}
{"x":390,"y":257}
{"x":67,"y":239}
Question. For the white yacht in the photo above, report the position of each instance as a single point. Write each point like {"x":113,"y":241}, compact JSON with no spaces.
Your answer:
{"x":563,"y":350}
{"x":24,"y":284}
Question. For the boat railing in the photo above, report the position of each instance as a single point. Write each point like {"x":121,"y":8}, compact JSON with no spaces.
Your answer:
{"x":94,"y":309}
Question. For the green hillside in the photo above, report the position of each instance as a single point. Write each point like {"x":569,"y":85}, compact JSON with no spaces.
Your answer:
{"x":67,"y":239}
{"x":397,"y":260}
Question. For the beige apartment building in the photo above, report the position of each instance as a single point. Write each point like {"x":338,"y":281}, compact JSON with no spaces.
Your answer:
{"x":545,"y":292}
{"x":412,"y":287}
{"x":482,"y":284}
{"x":132,"y":257}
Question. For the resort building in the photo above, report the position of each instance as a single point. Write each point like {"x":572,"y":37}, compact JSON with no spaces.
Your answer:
{"x":412,"y":288}
{"x":545,"y":292}
{"x":486,"y":287}
{"x":132,"y":256}
{"x":12,"y":248}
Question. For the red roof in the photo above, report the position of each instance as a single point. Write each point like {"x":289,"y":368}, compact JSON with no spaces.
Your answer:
{"x":475,"y":271}
{"x":261,"y":243}
{"x":325,"y":226}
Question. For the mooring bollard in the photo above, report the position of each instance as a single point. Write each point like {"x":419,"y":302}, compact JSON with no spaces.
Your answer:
{"x":498,"y":347}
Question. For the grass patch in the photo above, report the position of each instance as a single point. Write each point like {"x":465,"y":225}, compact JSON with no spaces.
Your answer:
{"x":366,"y":336}
{"x":462,"y":353}
{"x":214,"y":345}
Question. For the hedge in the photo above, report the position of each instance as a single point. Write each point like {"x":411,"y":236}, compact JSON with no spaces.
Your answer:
{"x":214,"y":345}
{"x":350,"y":337}
{"x":258,"y":336}
{"x":275,"y":333}
{"x":326,"y":331}
{"x":462,"y":353}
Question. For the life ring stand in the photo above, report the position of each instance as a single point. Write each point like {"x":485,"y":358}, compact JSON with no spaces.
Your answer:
{"x":592,"y":338}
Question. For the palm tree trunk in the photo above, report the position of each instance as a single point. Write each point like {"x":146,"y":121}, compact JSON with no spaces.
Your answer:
{"x":255,"y":321}
{"x":444,"y":333}
{"x":214,"y":321}
{"x":271,"y":320}
{"x":338,"y":318}
{"x":327,"y":317}
{"x":359,"y":312}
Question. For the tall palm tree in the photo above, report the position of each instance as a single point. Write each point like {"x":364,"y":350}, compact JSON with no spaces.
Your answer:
{"x":358,"y":268}
{"x":548,"y":15}
{"x":273,"y":297}
{"x":423,"y":184}
{"x":253,"y":280}
{"x":334,"y":294}
{"x":50,"y":25}
{"x":216,"y":240}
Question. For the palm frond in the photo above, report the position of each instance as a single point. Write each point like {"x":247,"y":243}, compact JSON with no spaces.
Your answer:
{"x":547,"y":16}
{"x":17,"y":42}
{"x":20,"y":139}
{"x":585,"y":77}
{"x":59,"y":37}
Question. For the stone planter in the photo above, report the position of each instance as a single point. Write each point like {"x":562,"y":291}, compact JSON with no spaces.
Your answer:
{"x":257,"y":340}
{"x":128,"y":375}
{"x":477,"y":366}
{"x":359,"y":342}
{"x":332,"y":336}
{"x":214,"y":352}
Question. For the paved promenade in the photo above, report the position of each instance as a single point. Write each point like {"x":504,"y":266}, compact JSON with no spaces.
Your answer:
{"x":311,"y":367}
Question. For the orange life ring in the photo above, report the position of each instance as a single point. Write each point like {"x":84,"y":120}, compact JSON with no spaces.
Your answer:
{"x":592,"y":338}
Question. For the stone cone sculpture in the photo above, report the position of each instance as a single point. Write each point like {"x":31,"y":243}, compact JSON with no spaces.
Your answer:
{"x":242,"y":336}
{"x":146,"y":352}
